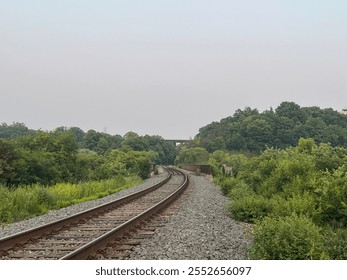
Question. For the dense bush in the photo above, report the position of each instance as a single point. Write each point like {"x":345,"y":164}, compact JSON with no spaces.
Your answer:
{"x":71,"y":155}
{"x":303,"y":204}
{"x":118,"y":162}
{"x":192,"y":156}
{"x":293,"y":182}
{"x":226,"y":183}
{"x":308,"y":180}
{"x":48,"y":158}
{"x":336,"y":244}
{"x":287,"y":238}
{"x":45,"y":158}
{"x":250,"y":208}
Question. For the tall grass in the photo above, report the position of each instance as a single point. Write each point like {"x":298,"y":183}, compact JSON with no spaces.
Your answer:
{"x":28,"y":201}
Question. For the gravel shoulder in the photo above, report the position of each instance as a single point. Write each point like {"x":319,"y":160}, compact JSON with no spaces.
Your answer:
{"x":200,"y":229}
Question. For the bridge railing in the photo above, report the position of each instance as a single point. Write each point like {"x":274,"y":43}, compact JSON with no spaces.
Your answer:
{"x":202,"y":168}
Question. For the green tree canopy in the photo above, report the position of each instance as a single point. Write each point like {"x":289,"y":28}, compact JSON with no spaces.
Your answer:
{"x":251,"y":131}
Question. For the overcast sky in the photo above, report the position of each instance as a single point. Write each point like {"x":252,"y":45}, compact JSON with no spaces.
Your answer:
{"x":166,"y":68}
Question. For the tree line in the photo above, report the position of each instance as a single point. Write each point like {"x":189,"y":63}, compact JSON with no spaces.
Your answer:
{"x":72,"y":155}
{"x":249,"y":130}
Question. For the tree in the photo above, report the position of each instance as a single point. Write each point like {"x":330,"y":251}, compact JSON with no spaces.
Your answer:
{"x":291,"y":111}
{"x":14,"y":130}
{"x":136,"y":142}
{"x":118,"y":162}
{"x":43,"y":157}
{"x":78,"y":135}
{"x":88,"y":165}
{"x":91,"y":140}
{"x":283,"y":132}
{"x":314,"y":128}
{"x":258,"y":132}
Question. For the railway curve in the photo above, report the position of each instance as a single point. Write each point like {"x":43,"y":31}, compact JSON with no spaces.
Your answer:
{"x":81,"y":235}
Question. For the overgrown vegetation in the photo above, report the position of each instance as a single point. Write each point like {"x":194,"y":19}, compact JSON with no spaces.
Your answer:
{"x":26,"y":201}
{"x":70,"y":155}
{"x":297,"y":198}
{"x":289,"y":237}
{"x":195,"y":155}
{"x":29,"y":143}
{"x":42,"y":170}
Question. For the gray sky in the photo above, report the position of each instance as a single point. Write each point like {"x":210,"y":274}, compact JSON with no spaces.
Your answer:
{"x":115,"y":64}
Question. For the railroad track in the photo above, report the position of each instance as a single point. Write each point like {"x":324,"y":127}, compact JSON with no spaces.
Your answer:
{"x":83,"y":235}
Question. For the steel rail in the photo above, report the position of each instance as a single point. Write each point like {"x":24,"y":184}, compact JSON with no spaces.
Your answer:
{"x":84,"y":251}
{"x":22,"y":237}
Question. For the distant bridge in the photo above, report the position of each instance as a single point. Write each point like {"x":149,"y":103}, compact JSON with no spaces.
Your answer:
{"x":179,"y":141}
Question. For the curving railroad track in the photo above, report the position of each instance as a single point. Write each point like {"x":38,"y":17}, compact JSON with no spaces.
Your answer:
{"x":84,"y":234}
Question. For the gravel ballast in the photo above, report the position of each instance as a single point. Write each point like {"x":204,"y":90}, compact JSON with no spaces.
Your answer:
{"x":200,"y":229}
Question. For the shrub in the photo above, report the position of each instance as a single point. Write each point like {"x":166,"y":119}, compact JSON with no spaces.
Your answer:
{"x":304,"y":204}
{"x":226,"y":183}
{"x":331,"y":194}
{"x":240,"y":189}
{"x":336,"y":243}
{"x":292,"y":237}
{"x":250,"y":208}
{"x":5,"y":204}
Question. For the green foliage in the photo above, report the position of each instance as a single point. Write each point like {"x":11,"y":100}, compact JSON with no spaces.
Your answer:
{"x":336,"y":243}
{"x":300,"y":181}
{"x":88,"y":165}
{"x":5,"y":205}
{"x":226,"y":183}
{"x":301,"y":205}
{"x":250,"y":208}
{"x":28,"y":201}
{"x":331,"y":195}
{"x":118,"y":162}
{"x":289,"y":176}
{"x":6,"y":159}
{"x":249,"y":130}
{"x":14,"y":130}
{"x":192,"y":156}
{"x":71,"y":155}
{"x":23,"y":202}
{"x":287,"y":238}
{"x":219,"y":159}
{"x":166,"y":151}
{"x":68,"y":160}
{"x":258,"y":133}
{"x":92,"y":166}
{"x":43,"y":157}
{"x":280,"y":190}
